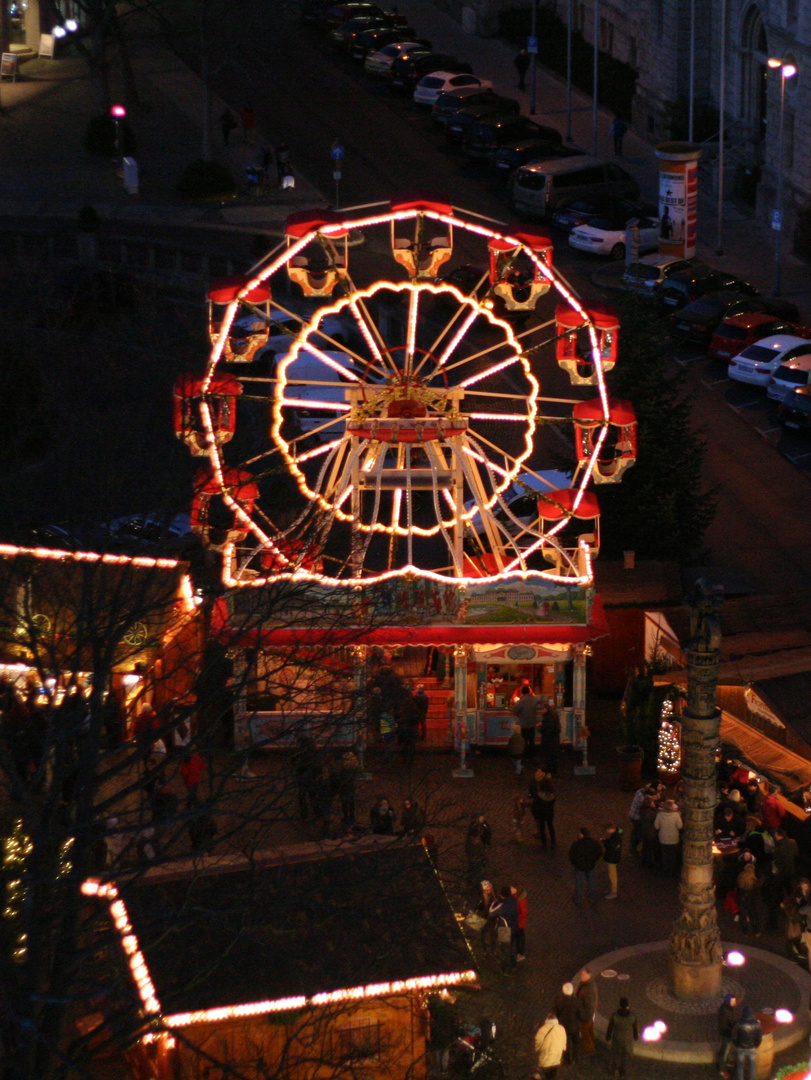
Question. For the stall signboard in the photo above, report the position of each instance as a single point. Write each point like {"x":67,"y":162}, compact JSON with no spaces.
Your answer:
{"x":515,"y":600}
{"x":281,"y":730}
{"x":8,"y":66}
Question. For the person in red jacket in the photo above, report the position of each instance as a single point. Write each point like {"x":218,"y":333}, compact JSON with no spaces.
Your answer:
{"x":192,"y":770}
{"x":520,"y":934}
{"x":771,"y":810}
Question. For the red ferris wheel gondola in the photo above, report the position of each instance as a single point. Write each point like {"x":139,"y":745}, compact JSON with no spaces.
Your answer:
{"x":610,"y":444}
{"x":222,"y":391}
{"x":576,"y":357}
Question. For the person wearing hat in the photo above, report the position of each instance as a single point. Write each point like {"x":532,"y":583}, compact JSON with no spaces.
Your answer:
{"x":566,"y":1005}
{"x":621,"y":1035}
{"x":668,"y":825}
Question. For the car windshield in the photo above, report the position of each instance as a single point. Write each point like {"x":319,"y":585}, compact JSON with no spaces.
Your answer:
{"x":786,"y":374}
{"x":531,"y":181}
{"x":732,"y":333}
{"x":702,"y":307}
{"x":759,"y":352}
{"x":643,"y":272}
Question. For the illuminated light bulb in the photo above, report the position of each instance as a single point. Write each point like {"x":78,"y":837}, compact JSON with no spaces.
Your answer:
{"x":783,"y":1016}
{"x":735,"y":958}
{"x":651,"y":1034}
{"x":660,"y":1026}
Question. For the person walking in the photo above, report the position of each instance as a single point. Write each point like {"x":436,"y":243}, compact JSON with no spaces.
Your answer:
{"x":618,"y":131}
{"x":521,"y":931}
{"x":542,"y":793}
{"x":422,"y":702}
{"x":522,"y":66}
{"x":668,"y":824}
{"x":550,"y":737}
{"x":526,"y":709}
{"x":550,"y":1046}
{"x":505,"y":913}
{"x":747,"y":1035}
{"x":192,"y":771}
{"x":566,"y":1008}
{"x":727,"y":1018}
{"x":247,"y":120}
{"x":515,"y":748}
{"x":586,"y":1010}
{"x":612,"y":851}
{"x":584,"y":854}
{"x":477,"y":844}
{"x":227,"y":125}
{"x":621,"y":1034}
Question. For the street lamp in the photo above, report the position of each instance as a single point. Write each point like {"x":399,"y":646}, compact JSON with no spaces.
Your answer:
{"x":786,"y":72}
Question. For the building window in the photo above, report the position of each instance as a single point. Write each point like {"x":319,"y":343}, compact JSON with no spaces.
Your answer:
{"x":607,"y":36}
{"x":358,"y":1041}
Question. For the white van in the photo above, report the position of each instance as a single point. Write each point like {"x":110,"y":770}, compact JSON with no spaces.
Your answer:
{"x":539,"y":188}
{"x":796,"y":372}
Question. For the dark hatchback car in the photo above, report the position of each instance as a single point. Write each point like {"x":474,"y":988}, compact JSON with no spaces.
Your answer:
{"x":333,"y":15}
{"x":581,"y":212}
{"x":795,"y":408}
{"x":512,"y":155}
{"x":688,"y":285}
{"x":700,"y":318}
{"x":486,"y":136}
{"x":343,"y":36}
{"x":373,"y":40}
{"x":457,"y":128}
{"x":407,"y":70}
{"x":451,"y":102}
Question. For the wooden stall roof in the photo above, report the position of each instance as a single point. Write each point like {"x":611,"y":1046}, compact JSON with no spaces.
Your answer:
{"x":246,"y":934}
{"x":789,"y":697}
{"x":766,"y":755}
{"x":649,"y":584}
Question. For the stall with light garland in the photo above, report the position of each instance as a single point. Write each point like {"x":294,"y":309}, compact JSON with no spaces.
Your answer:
{"x":404,"y":450}
{"x":238,"y":964}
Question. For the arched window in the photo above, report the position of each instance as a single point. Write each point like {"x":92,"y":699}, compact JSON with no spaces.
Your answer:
{"x":754,"y":53}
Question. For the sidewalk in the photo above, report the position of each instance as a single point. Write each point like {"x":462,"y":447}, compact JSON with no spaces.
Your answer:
{"x":748,"y":245}
{"x":45,"y":171}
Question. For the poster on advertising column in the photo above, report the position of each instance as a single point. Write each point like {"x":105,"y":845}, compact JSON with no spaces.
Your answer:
{"x":678,"y":199}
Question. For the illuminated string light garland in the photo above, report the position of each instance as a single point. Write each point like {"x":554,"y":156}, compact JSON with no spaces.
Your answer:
{"x":669,"y":751}
{"x":151,"y":1004}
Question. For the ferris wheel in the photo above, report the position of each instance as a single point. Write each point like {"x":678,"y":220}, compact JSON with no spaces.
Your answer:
{"x":404,"y":408}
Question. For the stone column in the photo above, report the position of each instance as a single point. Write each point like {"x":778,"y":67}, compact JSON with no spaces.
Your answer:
{"x":695,"y":942}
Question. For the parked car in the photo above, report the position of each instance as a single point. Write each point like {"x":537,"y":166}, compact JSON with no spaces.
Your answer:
{"x":408,"y":69}
{"x":336,"y":14}
{"x":789,"y":375}
{"x":343,"y":36}
{"x":700,"y":318}
{"x":468,"y":97}
{"x":541,"y":187}
{"x":738,"y":332}
{"x":514,"y":154}
{"x":431,"y":86}
{"x":581,"y":212}
{"x":371,"y":41}
{"x":521,"y":499}
{"x":379,"y":63}
{"x":795,"y":408}
{"x":606,"y":235}
{"x":458,"y":126}
{"x":758,"y":363}
{"x":698,"y":280}
{"x":647,"y":275}
{"x":487,"y":135}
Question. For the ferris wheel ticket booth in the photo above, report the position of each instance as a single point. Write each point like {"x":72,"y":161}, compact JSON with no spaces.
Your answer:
{"x":403,"y":478}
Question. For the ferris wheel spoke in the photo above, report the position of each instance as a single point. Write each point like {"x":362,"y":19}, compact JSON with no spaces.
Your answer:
{"x":371,"y":335}
{"x":411,"y":332}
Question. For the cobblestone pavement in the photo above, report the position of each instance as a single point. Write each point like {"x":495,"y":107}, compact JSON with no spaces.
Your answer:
{"x":561,"y":938}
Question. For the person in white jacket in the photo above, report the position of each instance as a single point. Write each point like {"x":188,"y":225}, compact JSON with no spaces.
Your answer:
{"x":550,"y":1046}
{"x":668,"y":825}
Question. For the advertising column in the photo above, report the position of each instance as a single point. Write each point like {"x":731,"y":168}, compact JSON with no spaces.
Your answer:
{"x":678,"y":198}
